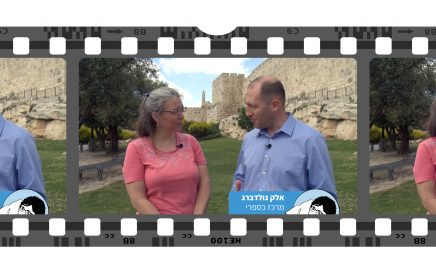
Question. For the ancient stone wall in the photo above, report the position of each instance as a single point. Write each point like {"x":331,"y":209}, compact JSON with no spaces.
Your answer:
{"x":33,"y":95}
{"x":25,"y":74}
{"x":196,"y":114}
{"x":226,"y":96}
{"x":309,"y":77}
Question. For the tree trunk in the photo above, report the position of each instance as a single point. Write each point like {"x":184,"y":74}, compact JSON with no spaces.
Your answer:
{"x":382,"y":143}
{"x":101,"y":138}
{"x":113,"y":146}
{"x":392,"y":138}
{"x":404,"y":134}
{"x":91,"y":144}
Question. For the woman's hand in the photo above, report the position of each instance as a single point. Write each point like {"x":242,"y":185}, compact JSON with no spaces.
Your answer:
{"x":137,"y":194}
{"x":427,"y":192}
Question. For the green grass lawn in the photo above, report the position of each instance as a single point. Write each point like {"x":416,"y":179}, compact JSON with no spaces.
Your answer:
{"x":344,"y":162}
{"x":402,"y":199}
{"x":53,"y":158}
{"x":222,"y":155}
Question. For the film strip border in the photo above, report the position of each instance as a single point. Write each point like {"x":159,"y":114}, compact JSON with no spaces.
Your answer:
{"x":166,"y":232}
{"x":168,"y":40}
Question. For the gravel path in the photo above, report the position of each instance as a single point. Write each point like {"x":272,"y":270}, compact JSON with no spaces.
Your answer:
{"x":89,"y":181}
{"x":380,"y":181}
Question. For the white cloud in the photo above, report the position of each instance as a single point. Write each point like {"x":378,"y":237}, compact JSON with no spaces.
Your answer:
{"x":211,"y":66}
{"x":187,"y":97}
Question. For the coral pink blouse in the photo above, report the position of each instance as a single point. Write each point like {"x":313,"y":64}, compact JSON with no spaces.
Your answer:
{"x":425,"y":162}
{"x":171,"y":178}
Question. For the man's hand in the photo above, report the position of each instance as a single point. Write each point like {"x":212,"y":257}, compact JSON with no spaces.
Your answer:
{"x":238,"y":185}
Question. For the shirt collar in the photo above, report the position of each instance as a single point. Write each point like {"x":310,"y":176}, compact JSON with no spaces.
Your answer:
{"x":287,"y":127}
{"x":2,"y":124}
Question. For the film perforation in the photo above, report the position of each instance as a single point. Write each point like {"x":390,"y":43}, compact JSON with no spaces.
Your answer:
{"x":274,"y":227}
{"x":20,"y":227}
{"x":201,"y":227}
{"x":311,"y":226}
{"x":165,"y":226}
{"x":347,"y":227}
{"x":129,"y":227}
{"x":57,"y":227}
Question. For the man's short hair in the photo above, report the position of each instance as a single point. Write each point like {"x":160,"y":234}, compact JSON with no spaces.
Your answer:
{"x":270,"y":88}
{"x":37,"y":204}
{"x":329,"y":206}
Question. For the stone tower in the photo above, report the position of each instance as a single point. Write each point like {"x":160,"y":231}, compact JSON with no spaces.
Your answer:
{"x":226,"y":96}
{"x":203,"y":98}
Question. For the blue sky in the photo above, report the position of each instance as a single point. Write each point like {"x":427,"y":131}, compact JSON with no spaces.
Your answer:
{"x":192,"y":75}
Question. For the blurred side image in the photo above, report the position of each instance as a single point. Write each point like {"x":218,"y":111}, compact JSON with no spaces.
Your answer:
{"x":32,"y":136}
{"x":402,"y":136}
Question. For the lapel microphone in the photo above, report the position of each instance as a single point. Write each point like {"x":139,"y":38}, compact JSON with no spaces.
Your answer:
{"x":179,"y":145}
{"x":268,"y":146}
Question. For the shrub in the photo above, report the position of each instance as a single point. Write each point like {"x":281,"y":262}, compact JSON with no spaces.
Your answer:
{"x":243,"y":121}
{"x":416,"y":134}
{"x":84,"y":134}
{"x":215,"y":129}
{"x":199,"y":129}
{"x":125,"y":134}
{"x":375,"y":135}
{"x":185,"y":125}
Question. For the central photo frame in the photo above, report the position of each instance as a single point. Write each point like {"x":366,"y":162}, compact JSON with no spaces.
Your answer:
{"x":209,"y":106}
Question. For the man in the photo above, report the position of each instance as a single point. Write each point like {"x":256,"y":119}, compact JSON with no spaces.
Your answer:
{"x":281,"y":153}
{"x":320,"y":205}
{"x":20,"y":166}
{"x":29,"y":206}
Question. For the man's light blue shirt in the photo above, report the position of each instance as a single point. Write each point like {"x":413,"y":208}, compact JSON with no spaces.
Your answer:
{"x":20,"y":166}
{"x":296,"y":160}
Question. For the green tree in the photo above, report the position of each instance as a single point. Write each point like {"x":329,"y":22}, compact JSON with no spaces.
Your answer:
{"x":243,"y":121}
{"x":401,"y":91}
{"x":110,"y":91}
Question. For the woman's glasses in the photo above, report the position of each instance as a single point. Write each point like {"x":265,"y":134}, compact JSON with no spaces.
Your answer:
{"x":175,"y":111}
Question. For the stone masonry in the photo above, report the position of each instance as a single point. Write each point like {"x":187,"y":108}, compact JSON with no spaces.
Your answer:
{"x":320,"y":92}
{"x":33,"y":95}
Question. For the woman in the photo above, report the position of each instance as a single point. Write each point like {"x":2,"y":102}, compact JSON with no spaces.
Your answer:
{"x":425,"y":163}
{"x":164,"y":170}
